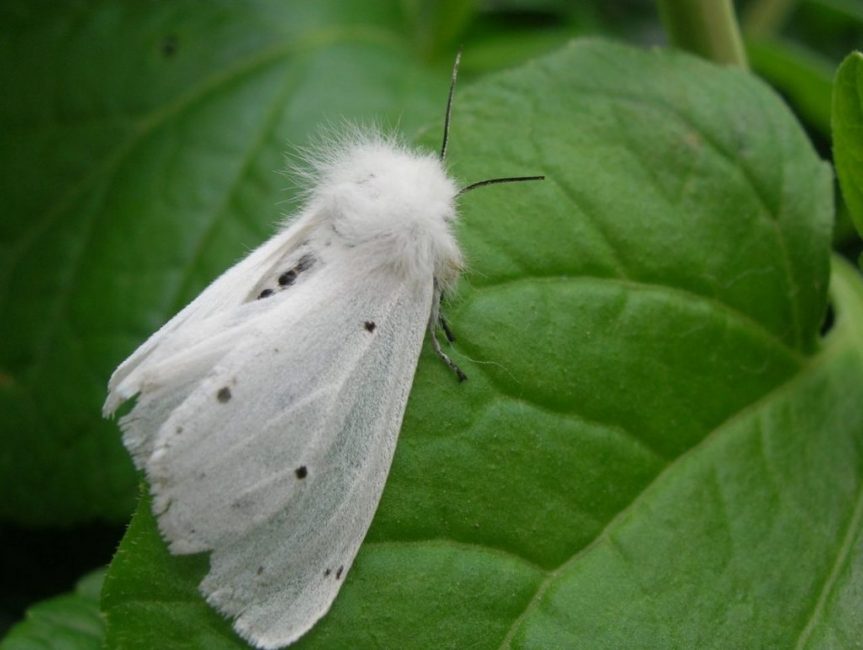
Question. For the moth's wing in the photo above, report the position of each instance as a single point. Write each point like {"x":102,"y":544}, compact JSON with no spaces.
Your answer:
{"x":277,"y":460}
{"x":165,"y":369}
{"x":173,"y":372}
{"x":202,"y":316}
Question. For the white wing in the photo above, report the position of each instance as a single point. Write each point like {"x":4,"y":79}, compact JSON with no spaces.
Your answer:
{"x":276,"y":459}
{"x":225,"y":293}
{"x":165,"y":368}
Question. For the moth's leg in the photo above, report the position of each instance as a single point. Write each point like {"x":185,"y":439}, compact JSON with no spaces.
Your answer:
{"x":444,"y":325}
{"x":443,"y":355}
{"x":446,"y":330}
{"x":436,"y":320}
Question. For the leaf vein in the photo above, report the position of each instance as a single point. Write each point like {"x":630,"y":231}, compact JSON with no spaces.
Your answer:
{"x":775,"y":393}
{"x":677,"y":292}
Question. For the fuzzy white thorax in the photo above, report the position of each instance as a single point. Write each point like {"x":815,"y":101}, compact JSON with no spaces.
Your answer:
{"x":396,"y":204}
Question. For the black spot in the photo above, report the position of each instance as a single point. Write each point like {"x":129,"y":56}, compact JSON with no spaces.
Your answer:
{"x":370,"y":325}
{"x":327,"y":573}
{"x":260,"y":570}
{"x":306,"y":262}
{"x":287,"y":278}
{"x":224,"y":394}
{"x":266,"y":293}
{"x":829,"y":318}
{"x":301,"y":472}
{"x":179,"y":429}
{"x":339,"y":572}
{"x":169,"y":45}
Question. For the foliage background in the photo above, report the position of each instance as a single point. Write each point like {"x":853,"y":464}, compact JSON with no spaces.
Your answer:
{"x":123,"y":117}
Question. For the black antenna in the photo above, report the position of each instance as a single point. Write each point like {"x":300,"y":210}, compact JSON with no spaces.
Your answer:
{"x":449,"y":104}
{"x":490,"y":181}
{"x":495,"y":181}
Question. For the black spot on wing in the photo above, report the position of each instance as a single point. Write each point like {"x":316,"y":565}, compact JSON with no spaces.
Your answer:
{"x":260,"y":570}
{"x":301,"y":472}
{"x":339,"y":572}
{"x":369,"y":325}
{"x":266,"y":293}
{"x":224,"y":394}
{"x":306,"y":262}
{"x":327,"y":573}
{"x":287,"y":278}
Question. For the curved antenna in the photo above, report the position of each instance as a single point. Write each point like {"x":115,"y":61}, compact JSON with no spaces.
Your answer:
{"x":446,"y":121}
{"x":449,"y":104}
{"x":495,"y":181}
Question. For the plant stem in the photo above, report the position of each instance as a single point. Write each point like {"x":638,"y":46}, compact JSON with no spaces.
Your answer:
{"x":763,"y":18}
{"x":705,"y":27}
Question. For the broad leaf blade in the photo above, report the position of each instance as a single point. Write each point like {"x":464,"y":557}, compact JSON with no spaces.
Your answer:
{"x":68,"y":622}
{"x":848,"y":134}
{"x":646,"y":383}
{"x":749,"y":539}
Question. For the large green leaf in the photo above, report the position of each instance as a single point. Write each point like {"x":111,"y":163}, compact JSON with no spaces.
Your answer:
{"x":655,"y":446}
{"x":847,"y":126}
{"x":141,"y":148}
{"x":67,"y":622}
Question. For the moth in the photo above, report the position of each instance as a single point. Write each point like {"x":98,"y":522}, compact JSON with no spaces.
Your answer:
{"x":268,"y":409}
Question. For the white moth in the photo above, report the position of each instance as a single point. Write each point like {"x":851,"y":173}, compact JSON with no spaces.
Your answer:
{"x":268,"y":409}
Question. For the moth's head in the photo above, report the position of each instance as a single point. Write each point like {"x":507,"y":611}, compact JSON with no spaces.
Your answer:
{"x":378,"y":193}
{"x":380,"y":181}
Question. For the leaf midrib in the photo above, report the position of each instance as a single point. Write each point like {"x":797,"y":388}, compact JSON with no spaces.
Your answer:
{"x":746,"y":321}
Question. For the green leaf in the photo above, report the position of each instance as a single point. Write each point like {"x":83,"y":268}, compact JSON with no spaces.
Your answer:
{"x":803,"y":76}
{"x":143,"y":145}
{"x":832,"y":26}
{"x":655,"y":446}
{"x":848,"y":134}
{"x":68,"y":622}
{"x":438,"y":24}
